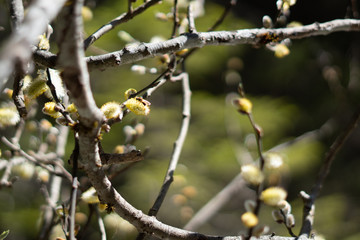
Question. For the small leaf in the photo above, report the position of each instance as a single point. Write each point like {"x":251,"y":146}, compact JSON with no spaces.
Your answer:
{"x":4,"y":234}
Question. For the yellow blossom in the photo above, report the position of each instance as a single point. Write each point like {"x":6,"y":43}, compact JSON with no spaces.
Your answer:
{"x":138,"y":106}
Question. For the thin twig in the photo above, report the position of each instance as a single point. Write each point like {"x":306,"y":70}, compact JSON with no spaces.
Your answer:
{"x":73,"y":208}
{"x":177,"y":148}
{"x":226,"y":11}
{"x":309,"y":200}
{"x":18,"y":96}
{"x":16,"y":9}
{"x":34,"y":160}
{"x":191,"y":20}
{"x":121,"y":19}
{"x":101,"y":224}
{"x":176,"y":19}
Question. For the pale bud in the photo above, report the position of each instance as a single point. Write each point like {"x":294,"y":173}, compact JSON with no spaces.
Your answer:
{"x":139,"y":69}
{"x":249,"y":219}
{"x":281,"y":50}
{"x":261,"y":230}
{"x":90,"y":196}
{"x":249,"y":205}
{"x":290,"y":221}
{"x":126,"y":37}
{"x":252,"y":174}
{"x":285,"y":207}
{"x":277,"y":216}
{"x":273,"y":195}
{"x":273,"y":160}
{"x":267,"y":22}
{"x":9,"y":116}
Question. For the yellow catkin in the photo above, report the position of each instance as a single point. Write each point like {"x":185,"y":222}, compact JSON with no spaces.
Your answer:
{"x":111,"y":110}
{"x":36,"y":88}
{"x":243,"y":105}
{"x":137,"y":106}
{"x":50,"y":109}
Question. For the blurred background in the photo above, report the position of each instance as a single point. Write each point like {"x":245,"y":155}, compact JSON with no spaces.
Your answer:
{"x":315,"y":87}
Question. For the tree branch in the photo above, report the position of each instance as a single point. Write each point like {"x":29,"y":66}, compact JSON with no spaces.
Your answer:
{"x":256,"y":36}
{"x":121,"y":19}
{"x":16,"y":8}
{"x":17,"y":48}
{"x":309,"y":200}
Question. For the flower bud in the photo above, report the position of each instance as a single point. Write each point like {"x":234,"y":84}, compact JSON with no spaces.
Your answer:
{"x":273,"y":160}
{"x":277,"y":216}
{"x":8,"y":92}
{"x":9,"y":116}
{"x":252,"y":174}
{"x":261,"y":230}
{"x":267,"y":22}
{"x":111,"y":110}
{"x":90,"y":196}
{"x":285,"y":207}
{"x":273,"y":195}
{"x":243,"y":105}
{"x":281,"y":50}
{"x":119,"y":149}
{"x":43,"y":42}
{"x":139,"y":69}
{"x":86,"y":13}
{"x":71,"y":108}
{"x":62,"y":211}
{"x":249,"y":205}
{"x":290,"y":221}
{"x":249,"y":219}
{"x":129,"y":92}
{"x":140,"y":129}
{"x":50,"y":109}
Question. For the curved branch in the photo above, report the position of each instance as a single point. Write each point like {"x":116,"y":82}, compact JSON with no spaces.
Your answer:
{"x":17,"y":48}
{"x":256,"y":36}
{"x":121,"y":19}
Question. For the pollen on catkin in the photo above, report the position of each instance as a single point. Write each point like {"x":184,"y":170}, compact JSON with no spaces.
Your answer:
{"x":111,"y":110}
{"x":273,"y":196}
{"x":138,"y":106}
{"x":50,"y":109}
